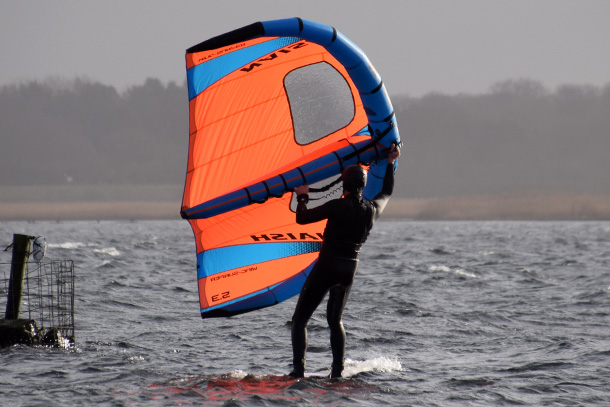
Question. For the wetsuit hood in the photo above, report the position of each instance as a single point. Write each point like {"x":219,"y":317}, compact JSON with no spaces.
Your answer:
{"x":354,"y":178}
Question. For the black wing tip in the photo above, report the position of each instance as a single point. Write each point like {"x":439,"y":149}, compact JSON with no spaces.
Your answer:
{"x":241,"y":34}
{"x":221,"y":313}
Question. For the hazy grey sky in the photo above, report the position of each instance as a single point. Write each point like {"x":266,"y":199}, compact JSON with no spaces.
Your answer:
{"x":418,"y":46}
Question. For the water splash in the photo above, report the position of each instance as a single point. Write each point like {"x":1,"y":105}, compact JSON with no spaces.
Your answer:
{"x":381,"y":364}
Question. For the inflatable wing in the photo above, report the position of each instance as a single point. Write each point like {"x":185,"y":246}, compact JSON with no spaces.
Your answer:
{"x":273,"y":105}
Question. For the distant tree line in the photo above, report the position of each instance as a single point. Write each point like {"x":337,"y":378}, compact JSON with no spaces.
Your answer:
{"x":517,"y":136}
{"x":88,"y":133}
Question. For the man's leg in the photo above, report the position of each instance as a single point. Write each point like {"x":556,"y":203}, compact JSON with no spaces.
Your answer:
{"x":336,"y":304}
{"x":311,"y":296}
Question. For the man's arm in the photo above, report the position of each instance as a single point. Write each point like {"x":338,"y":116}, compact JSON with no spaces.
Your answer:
{"x":304,"y":215}
{"x":381,"y":200}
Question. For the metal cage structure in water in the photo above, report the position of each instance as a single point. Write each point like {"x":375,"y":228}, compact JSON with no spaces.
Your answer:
{"x":48,"y":295}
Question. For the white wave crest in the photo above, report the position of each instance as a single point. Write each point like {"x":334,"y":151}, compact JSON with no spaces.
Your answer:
{"x":110,"y":251}
{"x":67,"y":245}
{"x":458,"y":271}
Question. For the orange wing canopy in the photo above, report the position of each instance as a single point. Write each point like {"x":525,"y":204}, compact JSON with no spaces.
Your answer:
{"x":272,"y":106}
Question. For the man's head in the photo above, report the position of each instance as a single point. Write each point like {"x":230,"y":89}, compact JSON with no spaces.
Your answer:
{"x":354,"y":179}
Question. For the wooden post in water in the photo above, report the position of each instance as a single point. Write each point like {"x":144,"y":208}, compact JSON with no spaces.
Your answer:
{"x":21,"y":243}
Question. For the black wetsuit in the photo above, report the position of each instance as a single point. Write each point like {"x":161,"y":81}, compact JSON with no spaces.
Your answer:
{"x":350,"y":220}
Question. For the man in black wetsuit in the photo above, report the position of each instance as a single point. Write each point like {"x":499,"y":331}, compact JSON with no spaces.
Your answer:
{"x":350,"y":220}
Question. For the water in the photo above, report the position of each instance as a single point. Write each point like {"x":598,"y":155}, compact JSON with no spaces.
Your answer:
{"x":441,"y":314}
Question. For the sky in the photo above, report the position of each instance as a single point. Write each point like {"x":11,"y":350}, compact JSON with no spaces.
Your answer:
{"x":417,"y":46}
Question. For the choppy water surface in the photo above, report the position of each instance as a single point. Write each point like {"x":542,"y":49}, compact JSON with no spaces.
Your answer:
{"x":441,"y":314}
